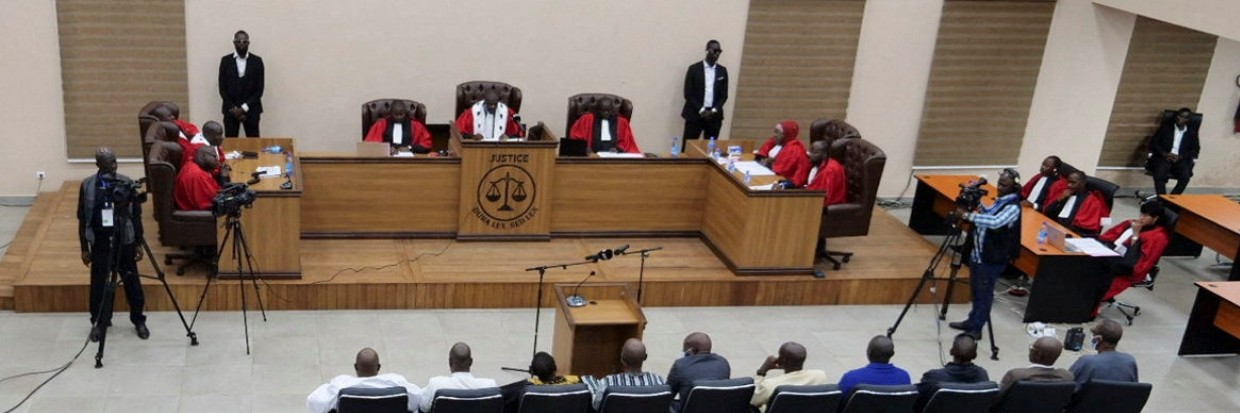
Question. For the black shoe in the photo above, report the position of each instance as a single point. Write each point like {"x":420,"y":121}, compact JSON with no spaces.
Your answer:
{"x":95,"y":333}
{"x":959,"y":325}
{"x":143,"y":333}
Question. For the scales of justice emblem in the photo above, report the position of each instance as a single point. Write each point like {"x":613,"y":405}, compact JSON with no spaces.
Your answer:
{"x":506,"y":193}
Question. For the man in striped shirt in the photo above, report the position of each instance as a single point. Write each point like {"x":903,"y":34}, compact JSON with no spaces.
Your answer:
{"x":631,"y":356}
{"x":995,"y":242}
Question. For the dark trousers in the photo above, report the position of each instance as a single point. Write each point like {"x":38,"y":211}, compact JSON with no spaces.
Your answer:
{"x":101,"y":303}
{"x":232,"y":126}
{"x":1180,"y":171}
{"x":695,"y":127}
{"x":982,"y":283}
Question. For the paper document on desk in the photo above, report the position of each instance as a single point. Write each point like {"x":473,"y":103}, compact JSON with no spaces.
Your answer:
{"x":1089,"y":246}
{"x":754,"y":168}
{"x":402,"y":155}
{"x":620,"y":155}
{"x":269,"y":171}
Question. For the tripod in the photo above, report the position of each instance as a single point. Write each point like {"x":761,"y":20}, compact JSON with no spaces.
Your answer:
{"x":241,"y":255}
{"x":114,"y":274}
{"x":542,"y":272}
{"x":950,"y":245}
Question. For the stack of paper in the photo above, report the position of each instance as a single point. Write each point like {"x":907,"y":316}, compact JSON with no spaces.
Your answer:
{"x":1089,"y":246}
{"x":754,"y":168}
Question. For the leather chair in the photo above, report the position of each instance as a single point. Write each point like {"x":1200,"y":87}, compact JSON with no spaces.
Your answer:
{"x":377,"y":109}
{"x":572,"y":398}
{"x":469,"y":92}
{"x":831,"y":129}
{"x":636,"y":399}
{"x":1036,"y":397}
{"x":1168,"y":116}
{"x":1168,"y":220}
{"x":583,"y":103}
{"x":1106,"y":396}
{"x":801,"y":399}
{"x":185,"y":229}
{"x":488,"y":400}
{"x":1104,"y":188}
{"x":146,"y":118}
{"x":163,"y":131}
{"x":372,"y":400}
{"x":863,"y":164}
{"x":869,"y":398}
{"x":961,"y":397}
{"x":719,"y":396}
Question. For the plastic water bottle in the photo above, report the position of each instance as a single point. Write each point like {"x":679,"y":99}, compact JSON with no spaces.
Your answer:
{"x":288,"y":165}
{"x":710,"y":147}
{"x":272,"y":149}
{"x":748,"y":179}
{"x":1043,"y":233}
{"x":675,"y":147}
{"x":731,"y":165}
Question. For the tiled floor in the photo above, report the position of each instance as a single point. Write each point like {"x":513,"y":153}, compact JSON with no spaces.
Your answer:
{"x":293,"y":352}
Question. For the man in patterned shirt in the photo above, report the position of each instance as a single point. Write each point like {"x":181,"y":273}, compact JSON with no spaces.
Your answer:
{"x":631,"y":356}
{"x":995,"y":242}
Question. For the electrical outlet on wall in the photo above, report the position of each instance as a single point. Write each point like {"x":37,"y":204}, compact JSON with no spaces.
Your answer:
{"x":41,"y":175}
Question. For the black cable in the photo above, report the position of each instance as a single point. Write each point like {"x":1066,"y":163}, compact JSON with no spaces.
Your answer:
{"x":357,"y":270}
{"x":58,"y":370}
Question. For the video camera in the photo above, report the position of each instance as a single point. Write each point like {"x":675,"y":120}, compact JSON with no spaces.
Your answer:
{"x":124,"y":191}
{"x":971,"y":194}
{"x":231,"y":199}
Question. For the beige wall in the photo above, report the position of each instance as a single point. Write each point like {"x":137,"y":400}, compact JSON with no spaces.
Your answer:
{"x":1217,"y":17}
{"x":325,"y":57}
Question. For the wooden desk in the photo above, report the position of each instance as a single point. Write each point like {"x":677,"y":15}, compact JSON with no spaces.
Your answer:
{"x":1068,"y":284}
{"x":273,"y":225}
{"x":588,"y":339}
{"x":1212,"y":221}
{"x":1214,"y":324}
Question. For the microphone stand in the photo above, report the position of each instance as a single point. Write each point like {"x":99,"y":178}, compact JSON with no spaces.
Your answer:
{"x":542,"y":272}
{"x":641,"y":271}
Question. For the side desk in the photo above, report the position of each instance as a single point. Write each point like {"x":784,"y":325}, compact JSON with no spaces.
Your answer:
{"x":1212,"y":221}
{"x":272,"y":226}
{"x":1214,"y":323}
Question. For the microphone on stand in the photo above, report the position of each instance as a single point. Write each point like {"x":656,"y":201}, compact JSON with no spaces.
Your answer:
{"x":622,"y":250}
{"x":576,"y":300}
{"x":607,"y":254}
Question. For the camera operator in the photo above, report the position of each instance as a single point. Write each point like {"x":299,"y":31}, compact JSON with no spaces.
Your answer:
{"x":97,"y":218}
{"x":992,"y":244}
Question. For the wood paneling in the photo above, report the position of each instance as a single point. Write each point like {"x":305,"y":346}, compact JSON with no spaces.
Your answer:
{"x":398,"y":196}
{"x":272,"y":226}
{"x":506,"y":190}
{"x":1209,"y":220}
{"x":797,"y":63}
{"x":115,"y":56}
{"x":1165,"y":69}
{"x":752,"y":232}
{"x":985,"y":67}
{"x":651,"y":197}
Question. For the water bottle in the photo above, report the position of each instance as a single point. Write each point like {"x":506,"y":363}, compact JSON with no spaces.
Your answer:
{"x":731,"y":165}
{"x":748,"y":179}
{"x":272,"y":149}
{"x":675,"y":147}
{"x":710,"y":147}
{"x":1043,"y":233}
{"x":288,"y":165}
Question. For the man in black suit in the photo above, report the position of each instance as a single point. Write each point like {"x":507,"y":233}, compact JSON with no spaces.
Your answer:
{"x":699,"y":363}
{"x":1173,"y":152}
{"x":706,"y":90}
{"x":241,"y":87}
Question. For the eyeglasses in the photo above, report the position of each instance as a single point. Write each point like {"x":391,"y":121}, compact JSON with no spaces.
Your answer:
{"x":241,"y":42}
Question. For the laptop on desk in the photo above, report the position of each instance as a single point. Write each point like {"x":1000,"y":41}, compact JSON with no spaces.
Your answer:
{"x":573,"y":147}
{"x":374,"y":149}
{"x":1055,"y":237}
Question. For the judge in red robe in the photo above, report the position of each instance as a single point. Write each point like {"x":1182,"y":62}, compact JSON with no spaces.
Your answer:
{"x":1078,"y":208}
{"x":1145,"y":236}
{"x":604,"y":131}
{"x":826,"y":175}
{"x":401,"y":131}
{"x":1045,"y":185}
{"x":213,"y":137}
{"x":490,"y":119}
{"x":195,"y":187}
{"x":785,"y":154}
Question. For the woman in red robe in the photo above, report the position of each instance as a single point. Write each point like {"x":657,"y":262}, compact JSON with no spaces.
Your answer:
{"x":785,"y":154}
{"x":1148,"y":235}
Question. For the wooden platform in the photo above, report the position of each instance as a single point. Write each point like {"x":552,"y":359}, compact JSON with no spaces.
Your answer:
{"x":43,"y":272}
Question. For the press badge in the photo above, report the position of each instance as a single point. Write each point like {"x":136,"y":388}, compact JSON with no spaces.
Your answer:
{"x":106,"y":214}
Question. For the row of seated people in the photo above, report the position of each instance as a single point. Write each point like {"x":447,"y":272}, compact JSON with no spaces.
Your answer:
{"x":1060,"y":191}
{"x":701,"y":364}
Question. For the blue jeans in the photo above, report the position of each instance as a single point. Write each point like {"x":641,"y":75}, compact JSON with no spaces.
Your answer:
{"x":982,"y":282}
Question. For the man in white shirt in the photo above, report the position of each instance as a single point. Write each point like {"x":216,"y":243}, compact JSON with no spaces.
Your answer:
{"x":706,"y":90}
{"x":1173,"y":152}
{"x":460,"y":359}
{"x":324,"y":398}
{"x":241,"y":81}
{"x":791,"y":360}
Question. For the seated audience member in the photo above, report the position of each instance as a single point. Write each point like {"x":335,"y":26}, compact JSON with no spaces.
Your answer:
{"x":1141,"y":243}
{"x":400,"y":130}
{"x":212,"y":136}
{"x":880,"y":370}
{"x":460,"y":359}
{"x":632,"y":355}
{"x":195,"y":187}
{"x":1043,"y":354}
{"x":1046,"y":184}
{"x":827,"y":175}
{"x":960,"y":370}
{"x":792,"y":361}
{"x":543,"y":371}
{"x":324,"y":398}
{"x":1174,"y":150}
{"x":1108,"y":364}
{"x":785,"y":154}
{"x":1077,"y":207}
{"x":699,"y":363}
{"x":489,"y":119}
{"x":604,"y":130}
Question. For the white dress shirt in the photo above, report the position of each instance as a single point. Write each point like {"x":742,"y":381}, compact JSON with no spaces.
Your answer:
{"x":460,"y":380}
{"x":775,"y":151}
{"x":1179,"y":136}
{"x":398,"y":134}
{"x":488,"y":132}
{"x":324,"y":398}
{"x":605,"y":130}
{"x":708,"y":101}
{"x":1067,"y":207}
{"x":241,"y":73}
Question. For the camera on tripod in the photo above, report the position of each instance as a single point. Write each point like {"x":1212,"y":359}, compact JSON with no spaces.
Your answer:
{"x":125,"y":191}
{"x":231,"y":199}
{"x":970,"y":198}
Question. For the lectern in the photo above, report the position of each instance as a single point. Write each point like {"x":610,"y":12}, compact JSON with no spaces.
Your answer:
{"x":588,"y":339}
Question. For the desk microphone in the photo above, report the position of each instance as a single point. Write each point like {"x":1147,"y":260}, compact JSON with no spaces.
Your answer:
{"x":576,"y":300}
{"x":255,"y":177}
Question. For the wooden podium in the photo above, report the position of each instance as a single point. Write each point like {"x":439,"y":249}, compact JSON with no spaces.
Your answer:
{"x":588,"y":339}
{"x":505,"y":188}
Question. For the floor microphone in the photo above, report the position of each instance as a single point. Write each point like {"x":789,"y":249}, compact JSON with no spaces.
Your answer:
{"x":576,"y":300}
